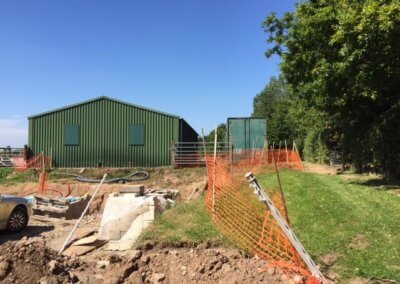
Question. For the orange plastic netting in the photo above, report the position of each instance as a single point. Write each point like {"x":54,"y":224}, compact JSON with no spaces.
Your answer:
{"x":39,"y":161}
{"x":246,"y":221}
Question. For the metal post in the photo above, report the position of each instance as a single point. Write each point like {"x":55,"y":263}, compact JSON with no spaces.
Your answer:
{"x":83,"y":214}
{"x":263,"y":196}
{"x":280,"y":188}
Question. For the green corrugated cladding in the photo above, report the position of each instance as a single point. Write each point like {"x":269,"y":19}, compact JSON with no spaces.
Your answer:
{"x":104,"y":135}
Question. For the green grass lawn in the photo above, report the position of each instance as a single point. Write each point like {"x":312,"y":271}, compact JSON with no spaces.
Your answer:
{"x":8,"y":176}
{"x":186,"y":222}
{"x":360,"y":224}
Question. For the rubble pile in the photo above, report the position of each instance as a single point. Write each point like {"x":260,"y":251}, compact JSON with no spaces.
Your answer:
{"x":187,"y":265}
{"x":29,"y":260}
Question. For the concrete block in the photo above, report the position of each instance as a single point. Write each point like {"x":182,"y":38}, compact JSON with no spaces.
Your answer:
{"x":137,"y":189}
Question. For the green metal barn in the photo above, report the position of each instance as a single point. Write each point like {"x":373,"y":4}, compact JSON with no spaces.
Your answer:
{"x":107,"y":132}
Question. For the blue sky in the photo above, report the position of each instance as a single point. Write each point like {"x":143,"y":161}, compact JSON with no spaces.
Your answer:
{"x":202,"y":59}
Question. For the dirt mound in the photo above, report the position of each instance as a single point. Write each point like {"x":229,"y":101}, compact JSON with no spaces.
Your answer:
{"x":202,"y":265}
{"x":184,"y":265}
{"x":31,"y":261}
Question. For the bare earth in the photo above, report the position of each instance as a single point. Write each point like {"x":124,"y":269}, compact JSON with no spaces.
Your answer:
{"x":31,"y":256}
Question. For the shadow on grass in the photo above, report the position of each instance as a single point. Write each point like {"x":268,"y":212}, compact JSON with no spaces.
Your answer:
{"x":379,"y":183}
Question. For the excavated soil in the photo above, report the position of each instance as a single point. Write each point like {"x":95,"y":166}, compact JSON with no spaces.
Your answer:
{"x":31,"y":256}
{"x":29,"y":260}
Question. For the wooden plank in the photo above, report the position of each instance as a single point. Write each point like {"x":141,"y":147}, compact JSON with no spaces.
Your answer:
{"x":83,"y":233}
{"x":84,"y":249}
{"x":86,"y":241}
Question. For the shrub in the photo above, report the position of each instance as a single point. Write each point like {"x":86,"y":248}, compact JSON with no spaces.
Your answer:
{"x":315,"y":149}
{"x":4,"y":172}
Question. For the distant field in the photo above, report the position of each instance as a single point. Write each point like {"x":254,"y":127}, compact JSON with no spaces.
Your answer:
{"x":335,"y":218}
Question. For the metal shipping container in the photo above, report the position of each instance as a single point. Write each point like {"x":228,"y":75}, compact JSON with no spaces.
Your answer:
{"x":107,"y":132}
{"x":246,"y":132}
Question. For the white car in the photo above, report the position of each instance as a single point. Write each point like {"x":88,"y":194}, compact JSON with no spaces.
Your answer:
{"x":14,"y":213}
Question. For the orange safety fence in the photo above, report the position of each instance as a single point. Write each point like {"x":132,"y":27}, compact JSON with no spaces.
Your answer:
{"x":266,"y":157}
{"x":39,"y":161}
{"x":243,"y":218}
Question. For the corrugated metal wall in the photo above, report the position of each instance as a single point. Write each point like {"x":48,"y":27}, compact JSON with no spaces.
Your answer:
{"x":104,"y":129}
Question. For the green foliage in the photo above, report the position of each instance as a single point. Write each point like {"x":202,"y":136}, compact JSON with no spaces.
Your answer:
{"x":4,"y":172}
{"x":342,"y":59}
{"x":358,"y":224}
{"x":273,"y":103}
{"x":186,"y":222}
{"x":16,"y":177}
{"x":288,"y":117}
{"x":315,"y":149}
{"x":221,"y":133}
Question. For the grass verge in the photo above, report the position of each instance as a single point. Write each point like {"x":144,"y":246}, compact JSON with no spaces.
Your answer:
{"x":8,"y":176}
{"x":186,"y":222}
{"x":357,"y":223}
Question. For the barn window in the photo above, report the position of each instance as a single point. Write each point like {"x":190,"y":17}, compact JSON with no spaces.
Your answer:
{"x":136,"y":134}
{"x":71,"y":134}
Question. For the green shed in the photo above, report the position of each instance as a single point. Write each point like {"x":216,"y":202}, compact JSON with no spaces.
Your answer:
{"x":107,"y":132}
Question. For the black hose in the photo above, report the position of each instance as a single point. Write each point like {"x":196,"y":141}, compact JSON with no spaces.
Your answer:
{"x":143,"y":175}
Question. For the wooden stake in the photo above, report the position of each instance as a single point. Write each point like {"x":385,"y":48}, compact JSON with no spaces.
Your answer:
{"x":262,"y":154}
{"x":215,"y":170}
{"x":43,"y":163}
{"x":204,"y":146}
{"x":51,"y":158}
{"x":254,"y":151}
{"x":292,"y":151}
{"x":287,"y":154}
{"x":297,"y":151}
{"x":279,"y":152}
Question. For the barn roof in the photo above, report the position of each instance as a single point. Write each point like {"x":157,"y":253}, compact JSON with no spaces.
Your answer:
{"x":98,"y":99}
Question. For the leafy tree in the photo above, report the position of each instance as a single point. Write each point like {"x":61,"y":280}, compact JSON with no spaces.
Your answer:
{"x":287,"y":116}
{"x":342,"y":60}
{"x":221,"y":132}
{"x":273,"y":104}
